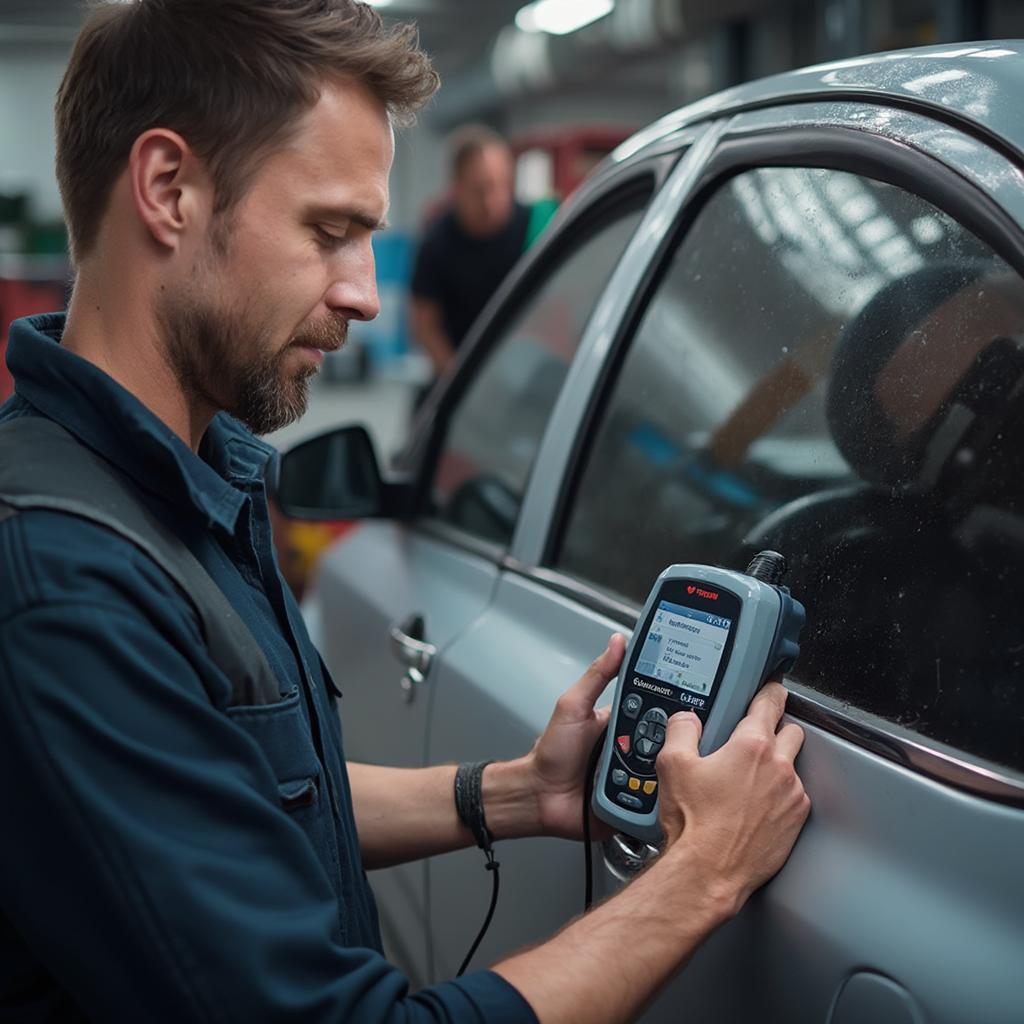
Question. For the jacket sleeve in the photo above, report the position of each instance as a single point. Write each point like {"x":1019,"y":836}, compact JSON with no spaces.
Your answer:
{"x":146,"y":862}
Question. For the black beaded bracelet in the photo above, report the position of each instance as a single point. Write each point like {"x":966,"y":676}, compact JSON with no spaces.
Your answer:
{"x":469,"y":804}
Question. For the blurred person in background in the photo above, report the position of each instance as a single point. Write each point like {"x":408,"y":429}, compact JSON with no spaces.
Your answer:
{"x":469,"y":248}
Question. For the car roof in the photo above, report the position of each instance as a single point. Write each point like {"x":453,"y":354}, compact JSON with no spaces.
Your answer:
{"x":978,"y":85}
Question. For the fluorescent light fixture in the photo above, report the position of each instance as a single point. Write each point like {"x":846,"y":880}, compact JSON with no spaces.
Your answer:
{"x":560,"y":17}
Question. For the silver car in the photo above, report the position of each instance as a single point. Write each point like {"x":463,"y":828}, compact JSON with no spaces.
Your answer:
{"x":790,"y":316}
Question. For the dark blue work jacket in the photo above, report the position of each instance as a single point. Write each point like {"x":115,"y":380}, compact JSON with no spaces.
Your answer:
{"x":166,"y":856}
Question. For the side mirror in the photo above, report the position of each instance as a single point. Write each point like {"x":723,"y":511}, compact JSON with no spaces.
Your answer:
{"x":336,"y":476}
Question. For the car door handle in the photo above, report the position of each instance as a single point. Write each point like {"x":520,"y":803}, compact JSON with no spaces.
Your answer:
{"x":624,"y":856}
{"x":409,"y":646}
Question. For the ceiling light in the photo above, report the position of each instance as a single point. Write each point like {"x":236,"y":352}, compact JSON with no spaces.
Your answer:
{"x":559,"y":17}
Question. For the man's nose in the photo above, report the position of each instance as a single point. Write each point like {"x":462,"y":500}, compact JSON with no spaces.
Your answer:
{"x":497,"y":201}
{"x":353,"y":293}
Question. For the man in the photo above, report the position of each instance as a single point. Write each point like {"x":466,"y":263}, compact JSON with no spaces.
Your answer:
{"x":174,"y":853}
{"x":467,"y":251}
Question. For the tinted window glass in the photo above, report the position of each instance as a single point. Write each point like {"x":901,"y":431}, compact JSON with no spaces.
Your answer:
{"x":834,"y":368}
{"x":494,"y":433}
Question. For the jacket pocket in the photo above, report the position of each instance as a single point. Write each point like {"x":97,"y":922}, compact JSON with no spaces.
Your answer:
{"x":282,"y":733}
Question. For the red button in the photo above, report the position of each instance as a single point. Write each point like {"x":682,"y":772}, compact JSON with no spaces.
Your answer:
{"x":623,"y":742}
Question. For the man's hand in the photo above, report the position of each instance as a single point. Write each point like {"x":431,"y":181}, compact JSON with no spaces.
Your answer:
{"x":427,"y":323}
{"x":407,"y":813}
{"x":742,"y":806}
{"x":558,"y":761}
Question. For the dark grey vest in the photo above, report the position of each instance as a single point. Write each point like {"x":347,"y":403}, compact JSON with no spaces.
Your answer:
{"x":42,"y":466}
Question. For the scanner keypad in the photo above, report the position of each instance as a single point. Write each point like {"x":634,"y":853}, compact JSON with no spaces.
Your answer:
{"x":649,"y":736}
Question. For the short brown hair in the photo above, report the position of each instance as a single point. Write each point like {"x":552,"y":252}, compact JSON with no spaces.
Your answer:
{"x":230,"y":76}
{"x":469,"y":141}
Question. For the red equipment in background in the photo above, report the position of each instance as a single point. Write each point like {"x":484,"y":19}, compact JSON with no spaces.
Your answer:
{"x":571,"y":151}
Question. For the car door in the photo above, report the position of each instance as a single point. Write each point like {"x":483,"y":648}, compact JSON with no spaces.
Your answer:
{"x":827,"y":361}
{"x":391,"y":597}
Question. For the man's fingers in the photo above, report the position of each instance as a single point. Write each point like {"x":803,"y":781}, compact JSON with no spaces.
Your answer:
{"x":789,"y":740}
{"x":683,"y":732}
{"x":768,"y":707}
{"x":602,"y":670}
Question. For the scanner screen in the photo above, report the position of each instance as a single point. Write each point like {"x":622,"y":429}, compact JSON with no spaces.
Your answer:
{"x":684,"y":647}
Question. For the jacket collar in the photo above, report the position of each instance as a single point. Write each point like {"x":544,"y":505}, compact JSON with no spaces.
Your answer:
{"x":114,"y":423}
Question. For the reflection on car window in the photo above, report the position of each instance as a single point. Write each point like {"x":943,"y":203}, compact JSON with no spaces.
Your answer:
{"x":834,"y":368}
{"x":496,"y":430}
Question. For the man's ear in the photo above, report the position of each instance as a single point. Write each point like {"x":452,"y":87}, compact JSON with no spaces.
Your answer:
{"x":168,"y":185}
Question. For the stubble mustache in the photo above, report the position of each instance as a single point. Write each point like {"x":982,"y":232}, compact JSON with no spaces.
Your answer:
{"x":327,"y":334}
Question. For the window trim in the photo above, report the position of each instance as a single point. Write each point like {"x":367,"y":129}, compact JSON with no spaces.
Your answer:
{"x":919,"y":754}
{"x":856,"y":151}
{"x":876,"y":98}
{"x":629,"y":188}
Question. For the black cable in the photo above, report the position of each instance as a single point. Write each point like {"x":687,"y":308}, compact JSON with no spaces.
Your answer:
{"x":492,"y":866}
{"x":588,"y":853}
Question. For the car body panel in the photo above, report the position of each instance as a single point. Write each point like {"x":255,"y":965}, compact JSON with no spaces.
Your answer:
{"x":879,"y":880}
{"x":859,"y":892}
{"x":902,"y":897}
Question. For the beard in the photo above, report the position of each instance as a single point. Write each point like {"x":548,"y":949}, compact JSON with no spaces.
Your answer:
{"x":228,"y":360}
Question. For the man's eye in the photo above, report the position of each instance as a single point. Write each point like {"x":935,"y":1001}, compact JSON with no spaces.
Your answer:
{"x":328,"y":238}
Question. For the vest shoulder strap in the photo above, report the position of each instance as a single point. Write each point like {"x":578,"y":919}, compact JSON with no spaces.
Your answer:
{"x":42,"y":466}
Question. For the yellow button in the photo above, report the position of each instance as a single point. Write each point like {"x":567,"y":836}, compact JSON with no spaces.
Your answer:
{"x":634,"y":783}
{"x":650,"y":787}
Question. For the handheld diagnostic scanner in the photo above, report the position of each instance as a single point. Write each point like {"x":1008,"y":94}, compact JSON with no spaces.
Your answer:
{"x":706,"y":641}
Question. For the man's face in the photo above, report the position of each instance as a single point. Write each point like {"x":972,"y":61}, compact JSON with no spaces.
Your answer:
{"x":274,"y":283}
{"x":484,"y":191}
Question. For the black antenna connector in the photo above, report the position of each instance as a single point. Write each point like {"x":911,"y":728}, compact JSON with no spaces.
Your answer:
{"x":767,"y":566}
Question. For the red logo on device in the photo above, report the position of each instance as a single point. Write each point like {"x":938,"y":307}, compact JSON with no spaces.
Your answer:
{"x":690,"y":589}
{"x":709,"y":595}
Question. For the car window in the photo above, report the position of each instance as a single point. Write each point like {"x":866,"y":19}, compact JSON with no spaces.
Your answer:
{"x":495,"y":431}
{"x":833,"y":368}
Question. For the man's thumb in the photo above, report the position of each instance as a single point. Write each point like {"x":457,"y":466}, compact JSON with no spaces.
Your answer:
{"x":684,"y":732}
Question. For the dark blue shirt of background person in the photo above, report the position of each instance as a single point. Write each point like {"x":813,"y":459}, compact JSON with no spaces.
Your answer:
{"x":468,"y":249}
